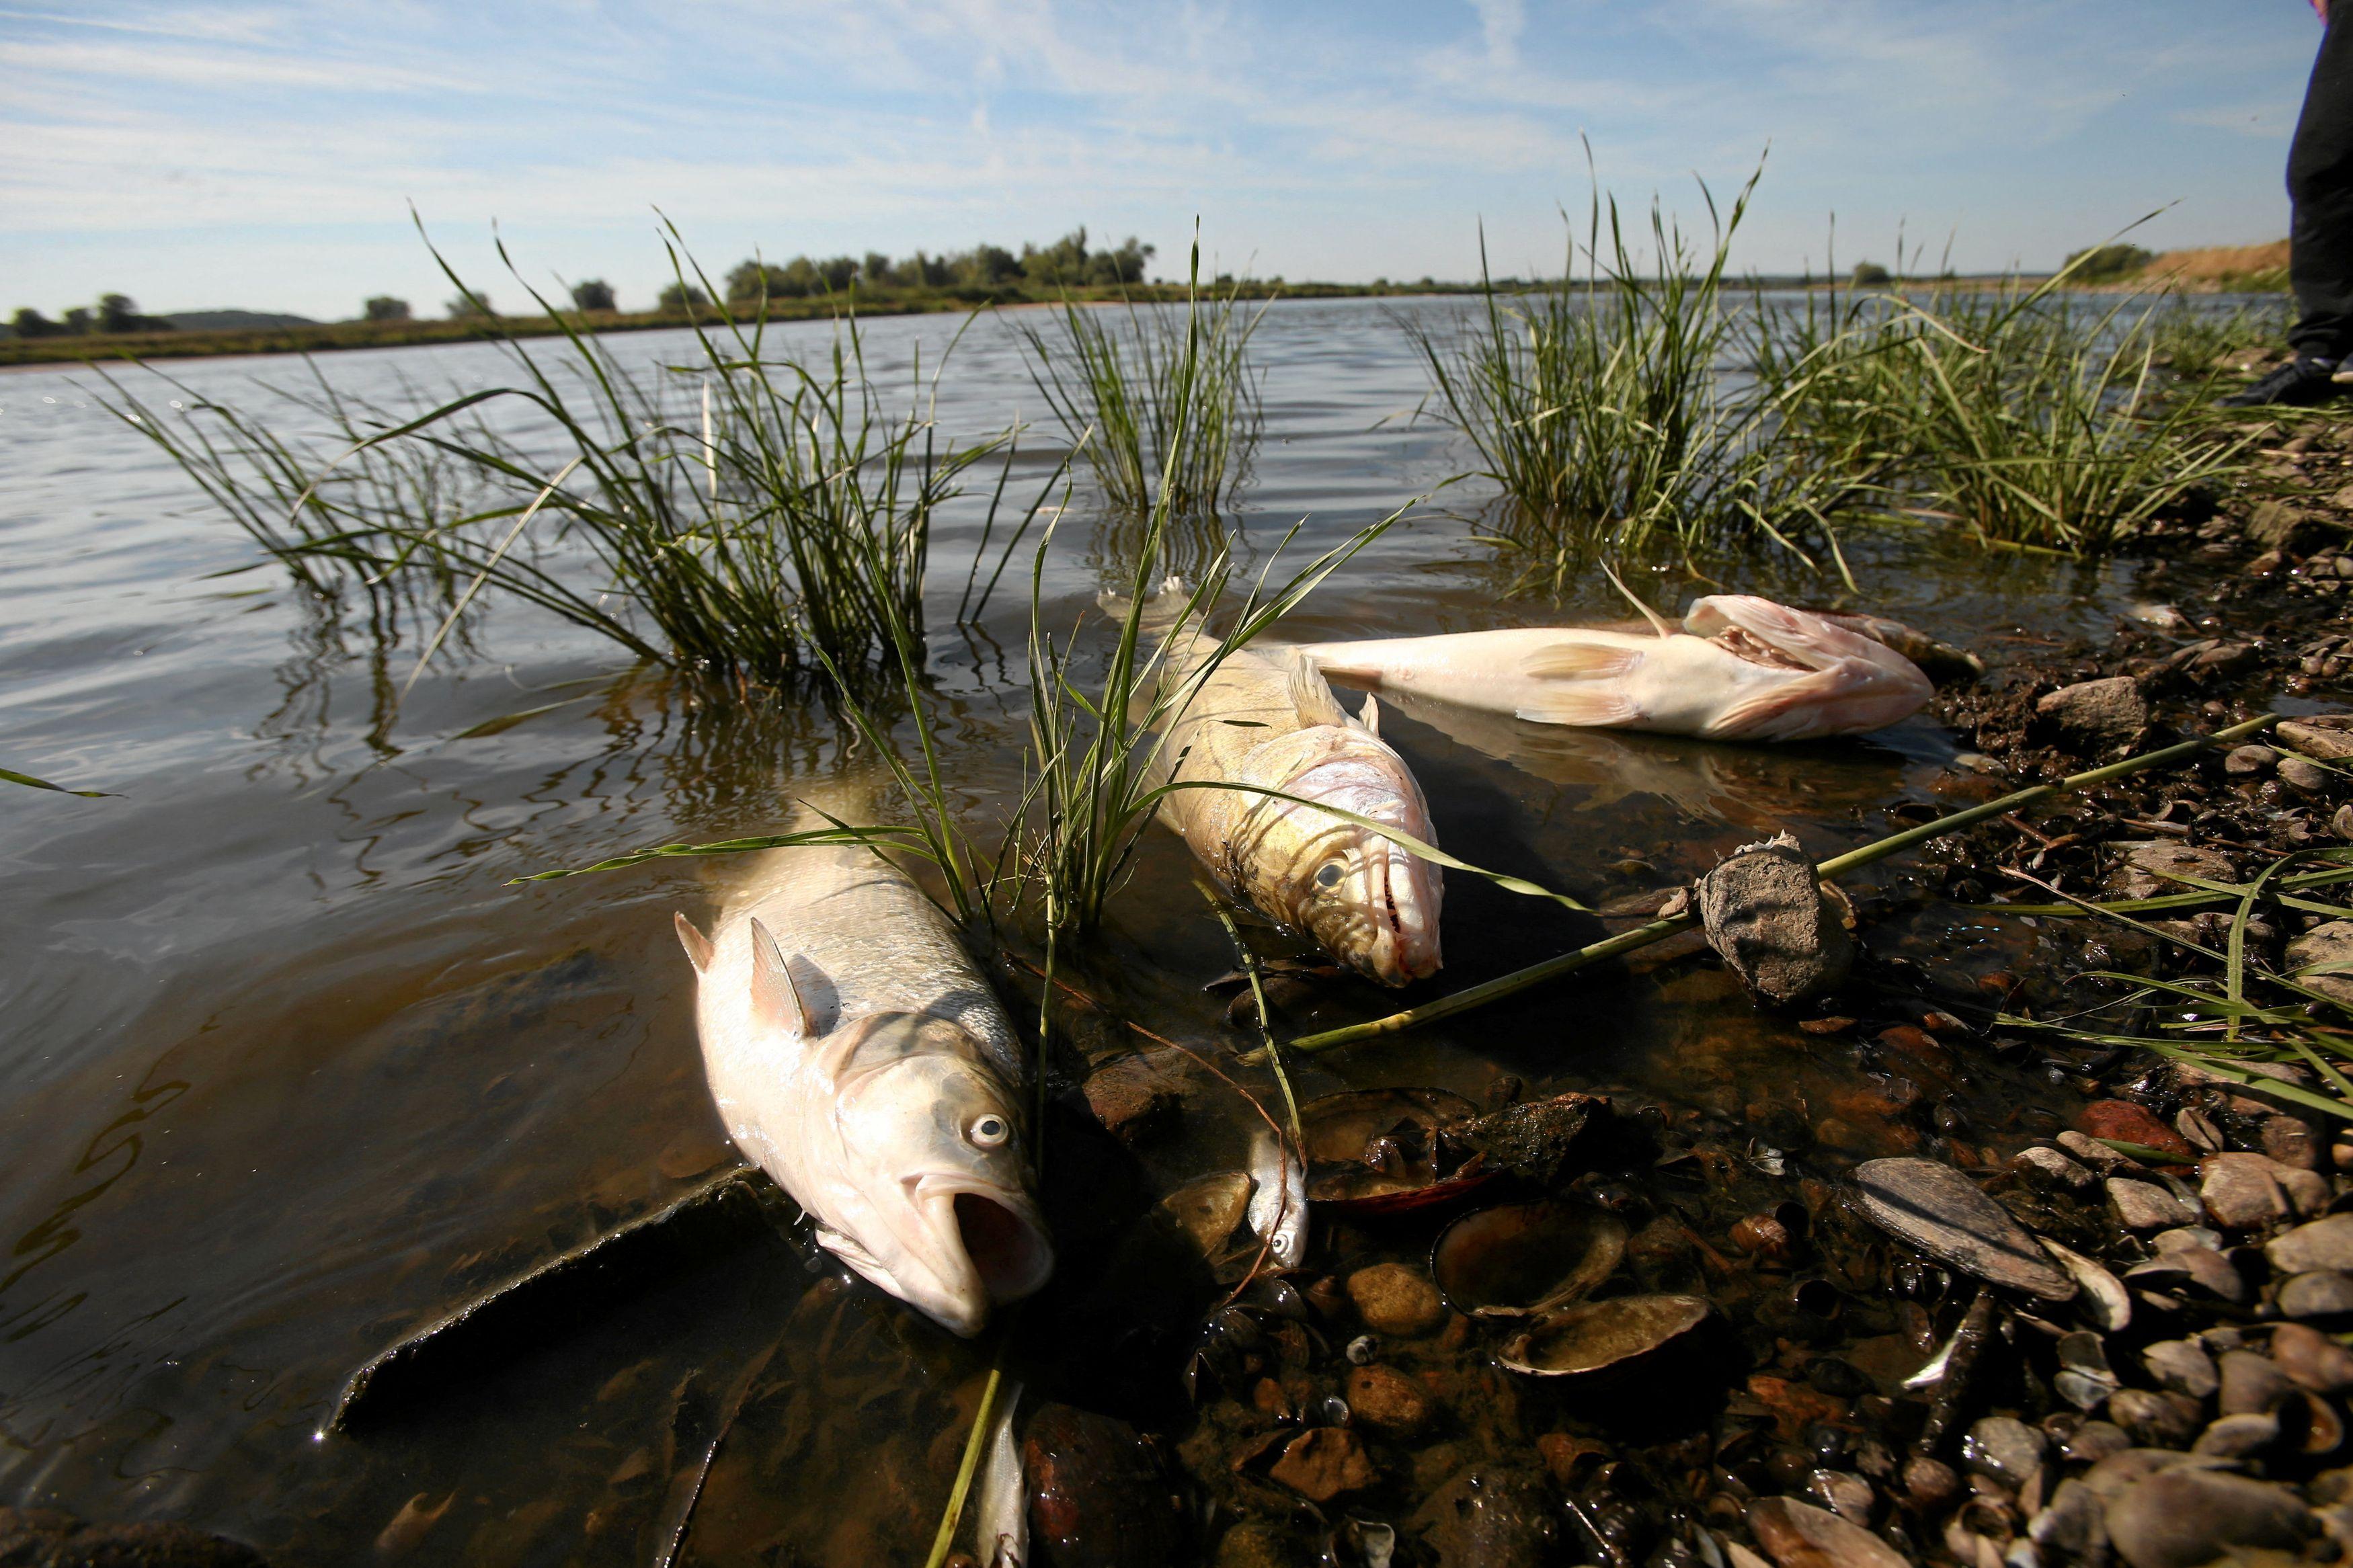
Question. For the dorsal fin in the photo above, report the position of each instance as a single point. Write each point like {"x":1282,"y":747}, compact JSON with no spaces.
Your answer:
{"x":697,"y":945}
{"x":1311,"y":694}
{"x":1370,"y":719}
{"x":1658,"y":623}
{"x":775,"y":1001}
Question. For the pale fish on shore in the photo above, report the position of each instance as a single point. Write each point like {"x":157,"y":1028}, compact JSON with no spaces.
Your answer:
{"x":1268,"y":719}
{"x":1278,"y":1203}
{"x":859,"y":1058}
{"x":1742,"y":668}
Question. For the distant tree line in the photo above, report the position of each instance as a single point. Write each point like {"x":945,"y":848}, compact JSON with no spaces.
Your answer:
{"x":113,"y":313}
{"x":1066,"y":263}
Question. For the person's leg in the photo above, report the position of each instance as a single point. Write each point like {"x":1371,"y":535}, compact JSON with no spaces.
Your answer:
{"x":2321,"y":188}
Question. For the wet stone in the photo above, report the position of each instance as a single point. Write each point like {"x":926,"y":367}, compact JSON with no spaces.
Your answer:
{"x":2305,"y":778}
{"x":1488,"y":1518}
{"x":2290,"y":1143}
{"x":1319,"y":1465}
{"x":1941,"y":1211}
{"x":1396,"y":1301}
{"x":2128,"y":1123}
{"x":1538,"y":1140}
{"x":2047,"y":1164}
{"x":2099,"y":714}
{"x":2244,"y":761}
{"x":2072,"y":1525}
{"x":2003,"y":1447}
{"x":2182,"y":1366}
{"x":2239,"y":1191}
{"x":2238,"y":1436}
{"x":1844,"y":1493}
{"x":1929,"y":1485}
{"x":2093,"y":1152}
{"x":2311,"y":1358}
{"x":1765,"y":914}
{"x":1798,"y":1536}
{"x":2321,"y":1296}
{"x":2330,"y":942}
{"x":2094,"y":1441}
{"x":2143,"y":871}
{"x":2324,"y":1243}
{"x":2142,"y":1205}
{"x":2199,"y":1270}
{"x":2251,"y":1383}
{"x":1386,"y":1401}
{"x":2185,"y":1518}
{"x":2156,"y":1420}
{"x":1133,"y":1099}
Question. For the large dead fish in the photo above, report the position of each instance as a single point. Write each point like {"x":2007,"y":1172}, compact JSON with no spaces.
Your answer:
{"x":857,"y":1055}
{"x":1268,"y":718}
{"x":1741,"y":669}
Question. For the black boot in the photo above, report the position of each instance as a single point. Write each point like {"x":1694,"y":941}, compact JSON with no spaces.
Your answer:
{"x":2300,"y":382}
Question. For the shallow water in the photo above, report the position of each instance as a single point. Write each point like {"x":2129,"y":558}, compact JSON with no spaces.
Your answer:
{"x":287,"y":1069}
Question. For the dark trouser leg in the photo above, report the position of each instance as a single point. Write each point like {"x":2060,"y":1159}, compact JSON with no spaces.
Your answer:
{"x":2320,"y":188}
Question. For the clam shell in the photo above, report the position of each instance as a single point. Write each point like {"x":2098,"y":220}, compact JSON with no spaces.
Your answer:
{"x":1339,"y":1127}
{"x":1208,"y":1208}
{"x":1522,"y":1259}
{"x":1596,"y":1336}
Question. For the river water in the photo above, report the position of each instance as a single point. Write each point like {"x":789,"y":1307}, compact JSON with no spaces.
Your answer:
{"x":288,"y":1067}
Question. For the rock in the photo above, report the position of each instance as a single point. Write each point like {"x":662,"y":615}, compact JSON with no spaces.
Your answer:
{"x":1802,"y":1537}
{"x":1132,"y":1097}
{"x":49,"y":1538}
{"x":2238,"y":1436}
{"x":2044,"y":1164}
{"x":2187,"y":1239}
{"x":1935,"y":1208}
{"x":2303,"y":777}
{"x":2085,"y":1379}
{"x":1387,"y":1401}
{"x":2156,"y":1420}
{"x":2004,"y":1447}
{"x":2201,"y":1268}
{"x":2185,"y":1518}
{"x":2142,"y":1205}
{"x":2072,"y":1525}
{"x":2183,"y":1366}
{"x":2320,"y":736}
{"x":2250,"y":1384}
{"x":1929,"y":1485}
{"x":2150,"y":864}
{"x":2093,"y":1153}
{"x":2128,"y":1123}
{"x":1322,"y":1463}
{"x":1396,"y":1301}
{"x":1540,"y":1140}
{"x":2098,"y":713}
{"x":2276,"y":525}
{"x":2239,"y":1191}
{"x":1765,"y":914}
{"x":1488,"y":1518}
{"x":1095,"y":1481}
{"x":2326,"y":1242}
{"x":1254,"y":1543}
{"x":2322,"y":1295}
{"x":2246,"y":761}
{"x":2289,"y":1143}
{"x":2330,"y":942}
{"x":2094,"y":1441}
{"x":2311,"y":1358}
{"x":1845,"y":1494}
{"x":2118,"y":1473}
{"x":2340,"y":821}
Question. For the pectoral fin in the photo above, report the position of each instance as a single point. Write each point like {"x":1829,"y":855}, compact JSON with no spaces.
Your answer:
{"x":1311,"y":694}
{"x":1370,"y":719}
{"x":775,"y":1001}
{"x":1583,"y":683}
{"x":698,"y":946}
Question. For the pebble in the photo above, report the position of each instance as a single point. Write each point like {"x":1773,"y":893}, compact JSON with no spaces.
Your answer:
{"x":2306,"y":778}
{"x":2182,"y":1366}
{"x":2187,"y":1237}
{"x":2091,"y":1442}
{"x":2093,"y":1152}
{"x":2141,"y":1206}
{"x":2072,"y":1523}
{"x":2185,"y":1518}
{"x":1798,"y":1536}
{"x":2049,"y":1164}
{"x":2245,"y":761}
{"x":1488,"y":1519}
{"x":1133,"y":1099}
{"x":2324,"y":1242}
{"x":2004,"y":1447}
{"x":1321,"y":1464}
{"x":2109,"y":713}
{"x":1844,"y":1493}
{"x":1387,"y":1401}
{"x":1930,"y":1486}
{"x":1764,"y":913}
{"x":2323,"y":1295}
{"x":1936,"y":1209}
{"x":2290,"y":1142}
{"x":1396,"y":1301}
{"x":2330,"y":942}
{"x":2238,"y":1436}
{"x":2128,"y":1123}
{"x":2251,"y":1383}
{"x":2240,"y":1193}
{"x":2155,"y":1420}
{"x":2201,"y":1267}
{"x":2311,"y":1358}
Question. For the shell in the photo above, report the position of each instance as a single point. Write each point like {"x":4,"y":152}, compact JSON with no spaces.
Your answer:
{"x":1594,"y":1337}
{"x":1523,"y":1259}
{"x":1341,"y":1129}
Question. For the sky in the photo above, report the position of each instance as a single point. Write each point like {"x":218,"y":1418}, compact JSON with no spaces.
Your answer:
{"x":266,"y":156}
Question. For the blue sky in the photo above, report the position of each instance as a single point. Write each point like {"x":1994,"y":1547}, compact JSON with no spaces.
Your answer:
{"x":263,"y":154}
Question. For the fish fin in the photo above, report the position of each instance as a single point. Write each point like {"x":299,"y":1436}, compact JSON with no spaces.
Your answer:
{"x":1594,"y":706}
{"x":697,"y":945}
{"x":1311,"y":694}
{"x":775,"y":1001}
{"x":1572,"y":659}
{"x":1756,"y":716}
{"x":1370,"y":719}
{"x":1658,"y":622}
{"x":857,"y":1256}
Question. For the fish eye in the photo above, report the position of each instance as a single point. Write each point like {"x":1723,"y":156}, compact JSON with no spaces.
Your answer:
{"x":989,"y":1132}
{"x":1328,"y":875}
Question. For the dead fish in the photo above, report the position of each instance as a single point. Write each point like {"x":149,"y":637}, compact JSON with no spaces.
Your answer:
{"x":1002,"y":1505}
{"x":1278,"y":1205}
{"x":1742,"y":668}
{"x":859,"y":1057}
{"x":1939,"y":661}
{"x":1268,"y":718}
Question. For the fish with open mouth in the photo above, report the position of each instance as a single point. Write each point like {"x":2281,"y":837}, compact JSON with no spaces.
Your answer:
{"x":1266,"y":718}
{"x":858,"y":1056}
{"x":1739,"y":669}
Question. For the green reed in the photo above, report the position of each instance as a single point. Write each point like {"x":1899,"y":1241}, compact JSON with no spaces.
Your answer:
{"x":1161,"y":402}
{"x":2192,"y":342}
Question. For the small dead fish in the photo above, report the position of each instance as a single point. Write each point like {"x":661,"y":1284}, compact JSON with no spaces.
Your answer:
{"x":859,"y":1057}
{"x":1267,"y":719}
{"x":1003,"y":1504}
{"x":1277,"y":1205}
{"x":1742,"y":668}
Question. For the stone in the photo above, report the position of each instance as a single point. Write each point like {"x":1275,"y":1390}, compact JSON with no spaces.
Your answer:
{"x":1765,"y":915}
{"x":1385,"y":1400}
{"x":2322,"y":736}
{"x":2246,"y":761}
{"x":2276,"y":525}
{"x":2044,"y":1164}
{"x":2288,"y":1142}
{"x":2004,"y":1447}
{"x":2093,"y":1153}
{"x":1935,"y":1208}
{"x":48,"y":1536}
{"x":1396,"y":1301}
{"x":1322,"y":1463}
{"x":2072,"y":1523}
{"x":2128,"y":1123}
{"x":2142,"y":1205}
{"x":1929,"y":1485}
{"x":2199,"y":1270}
{"x":2250,"y":1384}
{"x":2303,"y":777}
{"x":1133,"y":1099}
{"x":2326,"y":1242}
{"x":2323,"y":1295}
{"x":1798,"y":1536}
{"x":2101,"y":714}
{"x":1542,"y":1139}
{"x":2239,"y":1192}
{"x":2186,"y":1517}
{"x":2340,"y":821}
{"x":1253,"y":1543}
{"x":2156,"y":1420}
{"x":2311,"y":1358}
{"x":2118,"y":1473}
{"x":2328,"y":943}
{"x":2149,"y":865}
{"x":1844,"y":1493}
{"x":2183,"y":1366}
{"x":2238,"y":1436}
{"x":1489,"y":1518}
{"x":2094,"y":1441}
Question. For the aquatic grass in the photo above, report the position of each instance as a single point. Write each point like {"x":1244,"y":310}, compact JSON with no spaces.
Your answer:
{"x":9,"y":775}
{"x":1598,"y":406}
{"x":2192,"y":341}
